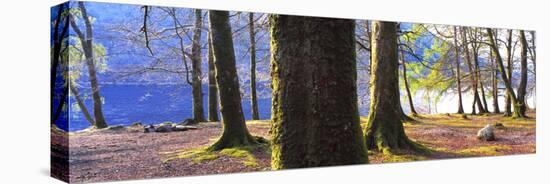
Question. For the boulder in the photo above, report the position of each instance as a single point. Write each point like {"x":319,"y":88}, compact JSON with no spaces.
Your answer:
{"x":149,"y":129}
{"x":486,"y":133}
{"x":164,"y":127}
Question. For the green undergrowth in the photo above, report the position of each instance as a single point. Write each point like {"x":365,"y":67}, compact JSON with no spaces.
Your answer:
{"x":200,"y":155}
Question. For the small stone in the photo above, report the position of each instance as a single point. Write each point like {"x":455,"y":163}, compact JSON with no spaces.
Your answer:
{"x":486,"y":133}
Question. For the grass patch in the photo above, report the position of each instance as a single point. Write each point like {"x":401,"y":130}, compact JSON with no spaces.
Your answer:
{"x":484,"y":151}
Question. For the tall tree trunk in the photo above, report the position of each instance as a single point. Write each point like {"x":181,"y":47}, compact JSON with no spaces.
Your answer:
{"x":458,"y":76}
{"x":484,"y":107}
{"x":472,"y":70}
{"x":522,"y":88}
{"x":508,"y":100}
{"x":198,"y":110}
{"x":494,"y":74}
{"x":81,"y":104}
{"x":87,"y":46}
{"x":56,"y":62}
{"x":385,"y":131}
{"x":409,"y":95}
{"x":235,"y":133}
{"x":534,"y":60}
{"x":212,"y":86}
{"x":480,"y":98}
{"x":315,"y":110}
{"x":253,"y":96}
{"x":516,"y":113}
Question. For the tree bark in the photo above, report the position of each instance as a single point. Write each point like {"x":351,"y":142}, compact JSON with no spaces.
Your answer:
{"x":87,"y":46}
{"x":81,"y":104}
{"x":516,"y":113}
{"x":522,"y":88}
{"x":471,"y":67}
{"x":212,"y":86}
{"x":494,"y":74}
{"x":458,"y":76}
{"x":253,"y":96}
{"x":408,"y":90}
{"x":480,"y":98}
{"x":198,"y":110}
{"x":235,"y":133}
{"x":385,"y":131}
{"x":315,"y":120}
{"x":508,"y":100}
{"x":56,"y":62}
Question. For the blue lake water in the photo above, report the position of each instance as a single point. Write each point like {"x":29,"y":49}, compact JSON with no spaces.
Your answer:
{"x":150,"y":104}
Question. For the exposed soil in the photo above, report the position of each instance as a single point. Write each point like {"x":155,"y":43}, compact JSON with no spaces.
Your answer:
{"x":131,"y":154}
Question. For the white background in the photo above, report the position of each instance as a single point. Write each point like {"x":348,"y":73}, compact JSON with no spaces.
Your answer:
{"x":24,"y":93}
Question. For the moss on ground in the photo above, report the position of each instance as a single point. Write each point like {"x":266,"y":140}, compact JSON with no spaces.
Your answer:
{"x":484,"y":150}
{"x":200,"y":155}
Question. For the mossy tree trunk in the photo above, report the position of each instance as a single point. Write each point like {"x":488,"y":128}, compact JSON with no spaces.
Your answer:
{"x":212,"y":86}
{"x":235,"y":132}
{"x":514,"y":101}
{"x":522,"y":88}
{"x":385,"y":131}
{"x":458,"y":76}
{"x":253,"y":96}
{"x":508,"y":100}
{"x":86,"y":39}
{"x":196,"y":60}
{"x":315,"y":118}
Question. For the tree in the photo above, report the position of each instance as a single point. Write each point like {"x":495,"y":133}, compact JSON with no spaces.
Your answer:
{"x":198,"y":111}
{"x":61,"y":24}
{"x":458,"y":76}
{"x":385,"y":131}
{"x":81,"y":104}
{"x":86,"y":39}
{"x":473,"y":72}
{"x":315,"y":120}
{"x":408,"y":90}
{"x":494,"y":74}
{"x":514,"y":101}
{"x":522,"y":88}
{"x":212,"y":86}
{"x":253,"y":98}
{"x":235,"y":132}
{"x":508,"y":101}
{"x":478,"y":84}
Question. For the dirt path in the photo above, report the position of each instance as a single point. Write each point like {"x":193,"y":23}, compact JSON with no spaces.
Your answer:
{"x":131,"y":154}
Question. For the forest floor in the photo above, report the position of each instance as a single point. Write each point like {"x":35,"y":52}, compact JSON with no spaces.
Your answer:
{"x":131,"y":154}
